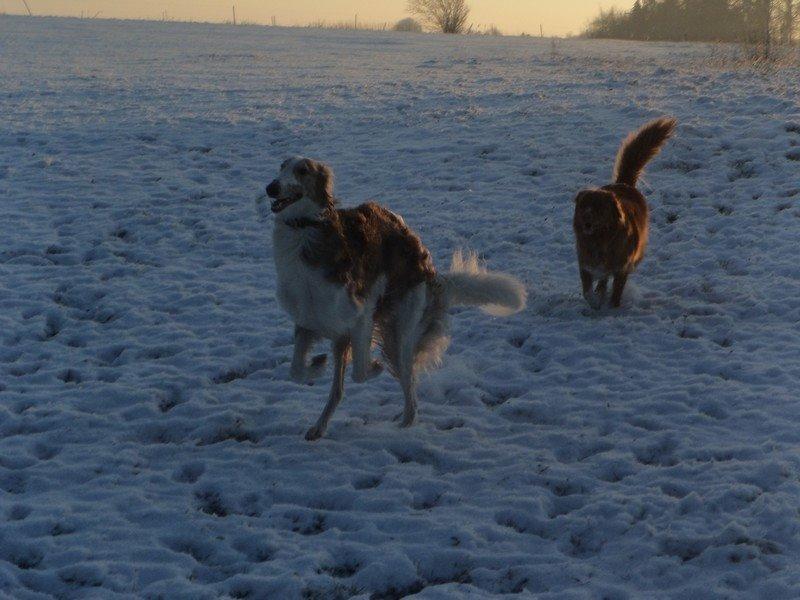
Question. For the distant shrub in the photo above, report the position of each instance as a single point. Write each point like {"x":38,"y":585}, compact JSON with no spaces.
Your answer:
{"x":492,"y":30}
{"x":408,"y":24}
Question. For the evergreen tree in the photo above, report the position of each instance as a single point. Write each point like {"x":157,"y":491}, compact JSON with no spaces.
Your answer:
{"x":753,"y":21}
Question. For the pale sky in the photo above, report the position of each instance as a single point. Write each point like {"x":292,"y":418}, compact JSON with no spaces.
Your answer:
{"x":557,"y":17}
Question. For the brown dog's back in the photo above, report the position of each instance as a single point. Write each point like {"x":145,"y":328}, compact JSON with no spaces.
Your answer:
{"x":635,"y":226}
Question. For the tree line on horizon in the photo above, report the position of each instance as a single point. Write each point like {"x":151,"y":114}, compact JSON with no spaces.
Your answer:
{"x":751,"y":21}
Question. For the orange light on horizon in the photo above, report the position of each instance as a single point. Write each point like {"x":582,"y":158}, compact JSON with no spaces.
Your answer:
{"x":552,"y":17}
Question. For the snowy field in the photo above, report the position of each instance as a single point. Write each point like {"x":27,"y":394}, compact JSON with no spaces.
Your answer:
{"x":151,"y":444}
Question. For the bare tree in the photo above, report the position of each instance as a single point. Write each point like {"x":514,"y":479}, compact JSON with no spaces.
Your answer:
{"x":447,"y":16}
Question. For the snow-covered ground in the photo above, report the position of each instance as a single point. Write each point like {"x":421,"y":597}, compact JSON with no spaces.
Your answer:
{"x":151,"y":444}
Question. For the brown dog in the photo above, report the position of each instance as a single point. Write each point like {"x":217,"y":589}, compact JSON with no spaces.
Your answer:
{"x":611,"y":223}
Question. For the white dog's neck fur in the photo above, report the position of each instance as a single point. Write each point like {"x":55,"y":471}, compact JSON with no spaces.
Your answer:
{"x":314,"y":302}
{"x":305,"y":208}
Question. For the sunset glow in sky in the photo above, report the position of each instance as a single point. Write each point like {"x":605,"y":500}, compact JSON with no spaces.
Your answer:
{"x":557,"y":17}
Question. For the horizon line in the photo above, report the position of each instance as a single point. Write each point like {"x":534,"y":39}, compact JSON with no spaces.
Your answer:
{"x":318,"y":24}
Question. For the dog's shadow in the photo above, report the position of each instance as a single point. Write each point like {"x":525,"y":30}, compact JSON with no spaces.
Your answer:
{"x":572,"y":305}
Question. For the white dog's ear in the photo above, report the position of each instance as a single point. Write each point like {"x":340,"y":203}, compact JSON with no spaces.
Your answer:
{"x":322,"y":188}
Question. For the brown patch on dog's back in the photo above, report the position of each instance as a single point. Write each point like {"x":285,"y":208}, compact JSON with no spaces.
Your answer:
{"x":355,"y":246}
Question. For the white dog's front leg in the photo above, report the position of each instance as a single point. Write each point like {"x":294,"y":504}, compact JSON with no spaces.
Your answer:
{"x":340,"y":350}
{"x":301,"y":371}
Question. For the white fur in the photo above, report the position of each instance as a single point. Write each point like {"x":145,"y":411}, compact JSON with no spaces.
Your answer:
{"x":313,"y":302}
{"x":362,"y":334}
{"x":324,"y":309}
{"x":469,"y":284}
{"x":410,"y":313}
{"x":305,"y":207}
{"x":303,"y":291}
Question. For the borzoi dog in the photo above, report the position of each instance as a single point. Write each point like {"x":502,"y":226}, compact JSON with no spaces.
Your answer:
{"x":360,"y":275}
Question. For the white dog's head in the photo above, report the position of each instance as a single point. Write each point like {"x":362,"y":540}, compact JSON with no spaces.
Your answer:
{"x":303,"y":189}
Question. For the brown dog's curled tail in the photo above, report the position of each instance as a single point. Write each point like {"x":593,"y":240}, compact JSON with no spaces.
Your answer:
{"x":640,"y":148}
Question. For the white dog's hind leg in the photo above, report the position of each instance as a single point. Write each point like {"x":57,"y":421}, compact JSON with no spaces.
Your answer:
{"x":364,"y":367}
{"x":409,"y":383}
{"x":340,"y":351}
{"x":409,"y":318}
{"x":301,"y":371}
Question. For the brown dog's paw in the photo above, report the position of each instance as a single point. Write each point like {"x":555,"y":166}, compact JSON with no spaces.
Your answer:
{"x":594,"y":300}
{"x":375,"y":369}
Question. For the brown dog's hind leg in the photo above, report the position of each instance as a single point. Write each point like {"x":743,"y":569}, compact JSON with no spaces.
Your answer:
{"x":620,"y":279}
{"x":341,"y":349}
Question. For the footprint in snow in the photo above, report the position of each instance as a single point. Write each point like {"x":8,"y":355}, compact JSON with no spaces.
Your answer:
{"x":189,"y":472}
{"x":18,"y":512}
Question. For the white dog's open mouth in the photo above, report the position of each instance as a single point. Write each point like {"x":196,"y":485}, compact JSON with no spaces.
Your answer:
{"x":281,"y":203}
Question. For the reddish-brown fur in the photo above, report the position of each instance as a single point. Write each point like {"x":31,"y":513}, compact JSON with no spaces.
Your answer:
{"x":355,"y":246}
{"x":611,"y":223}
{"x":363,"y":276}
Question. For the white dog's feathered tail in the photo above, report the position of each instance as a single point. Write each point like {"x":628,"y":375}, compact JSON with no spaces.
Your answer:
{"x":469,"y":284}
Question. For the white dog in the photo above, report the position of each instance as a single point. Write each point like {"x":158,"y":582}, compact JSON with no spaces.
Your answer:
{"x":360,"y":274}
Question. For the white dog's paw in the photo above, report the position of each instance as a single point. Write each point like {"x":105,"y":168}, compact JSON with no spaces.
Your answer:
{"x":406,"y":419}
{"x":315,"y":433}
{"x":306,"y":375}
{"x":375,"y":369}
{"x":298,"y":376}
